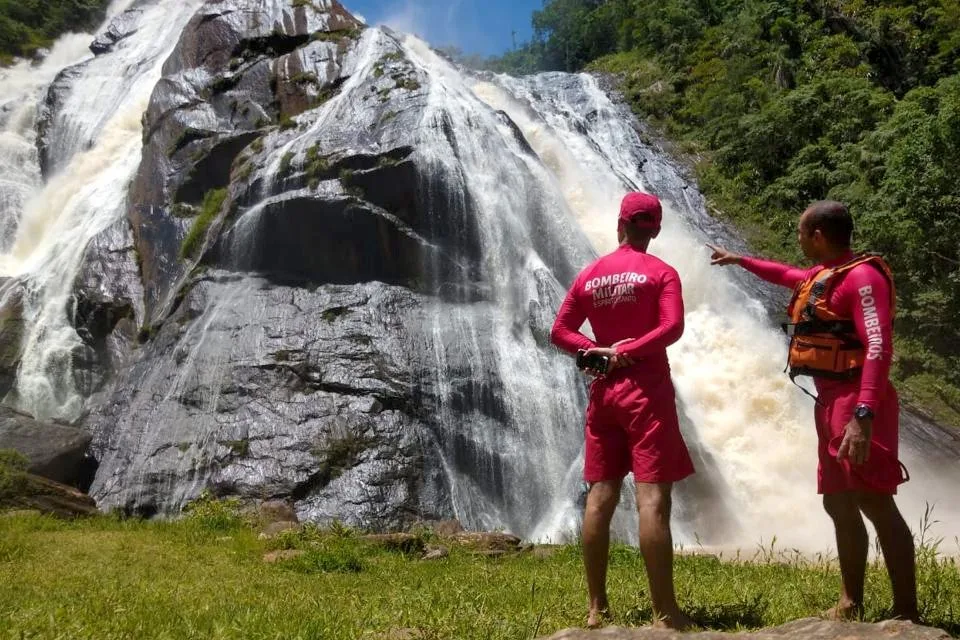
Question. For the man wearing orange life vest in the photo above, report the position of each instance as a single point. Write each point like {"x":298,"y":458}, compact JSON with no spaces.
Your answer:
{"x":841,"y":321}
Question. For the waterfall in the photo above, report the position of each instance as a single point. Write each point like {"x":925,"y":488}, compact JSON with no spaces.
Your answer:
{"x":519,"y":181}
{"x":735,"y":401}
{"x":96,"y":143}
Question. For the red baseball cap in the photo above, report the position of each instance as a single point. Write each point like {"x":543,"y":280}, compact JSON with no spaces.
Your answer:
{"x":645,"y":205}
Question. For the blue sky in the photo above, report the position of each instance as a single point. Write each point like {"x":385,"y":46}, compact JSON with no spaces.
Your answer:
{"x":476,"y":26}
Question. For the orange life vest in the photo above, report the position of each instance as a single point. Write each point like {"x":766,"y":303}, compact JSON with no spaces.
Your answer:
{"x":824,"y":344}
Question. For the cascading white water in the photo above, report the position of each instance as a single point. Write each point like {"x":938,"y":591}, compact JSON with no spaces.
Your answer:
{"x":97,"y":142}
{"x":728,"y":366}
{"x":23,"y":85}
{"x":528,"y":454}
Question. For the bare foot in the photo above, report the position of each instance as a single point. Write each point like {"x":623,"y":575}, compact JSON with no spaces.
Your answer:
{"x":844,"y":611}
{"x":910,"y":616}
{"x":678,"y":621}
{"x":597,"y":617}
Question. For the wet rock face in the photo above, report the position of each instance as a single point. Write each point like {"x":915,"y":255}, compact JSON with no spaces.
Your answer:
{"x":108,"y":307}
{"x":47,"y":111}
{"x":305,"y":257}
{"x":264,"y":391}
{"x":274,"y":364}
{"x":238,"y":74}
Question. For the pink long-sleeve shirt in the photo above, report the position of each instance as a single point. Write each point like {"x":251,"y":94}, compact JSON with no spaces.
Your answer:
{"x":627,"y":294}
{"x":863,"y":295}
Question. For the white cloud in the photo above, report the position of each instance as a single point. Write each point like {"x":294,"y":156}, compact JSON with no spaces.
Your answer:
{"x":360,"y":18}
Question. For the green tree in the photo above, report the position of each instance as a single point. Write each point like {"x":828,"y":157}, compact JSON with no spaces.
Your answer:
{"x":27,"y":25}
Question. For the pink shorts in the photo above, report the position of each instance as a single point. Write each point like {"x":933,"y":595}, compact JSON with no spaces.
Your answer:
{"x":882,"y":472}
{"x":633,"y":426}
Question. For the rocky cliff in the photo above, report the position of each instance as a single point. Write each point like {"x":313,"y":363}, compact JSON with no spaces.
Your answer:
{"x":301,"y":251}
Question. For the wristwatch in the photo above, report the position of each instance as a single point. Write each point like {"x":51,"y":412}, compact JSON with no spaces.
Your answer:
{"x":863,"y":412}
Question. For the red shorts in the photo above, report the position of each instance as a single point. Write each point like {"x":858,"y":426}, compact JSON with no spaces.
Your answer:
{"x":633,"y":426}
{"x":882,"y":473}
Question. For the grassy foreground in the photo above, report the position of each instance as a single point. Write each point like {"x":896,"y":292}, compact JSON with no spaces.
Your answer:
{"x":204,"y":577}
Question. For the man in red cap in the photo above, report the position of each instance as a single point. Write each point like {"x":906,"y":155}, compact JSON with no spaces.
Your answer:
{"x":634,"y":304}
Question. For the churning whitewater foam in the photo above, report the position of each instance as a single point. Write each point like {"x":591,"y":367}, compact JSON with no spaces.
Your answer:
{"x":23,"y":84}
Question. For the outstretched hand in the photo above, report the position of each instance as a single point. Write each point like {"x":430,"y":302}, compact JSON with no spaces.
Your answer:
{"x":722,"y":257}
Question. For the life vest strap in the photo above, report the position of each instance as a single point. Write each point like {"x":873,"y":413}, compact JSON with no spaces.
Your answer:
{"x":793,"y":379}
{"x":849,"y":374}
{"x":840,"y":328}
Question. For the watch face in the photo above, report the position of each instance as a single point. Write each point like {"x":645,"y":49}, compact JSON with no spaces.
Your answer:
{"x":863,"y":412}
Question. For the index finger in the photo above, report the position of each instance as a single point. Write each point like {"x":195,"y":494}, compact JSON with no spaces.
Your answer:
{"x":843,"y":449}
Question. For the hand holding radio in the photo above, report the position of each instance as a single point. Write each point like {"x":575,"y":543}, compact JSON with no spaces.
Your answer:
{"x":593,"y":362}
{"x":602,"y":360}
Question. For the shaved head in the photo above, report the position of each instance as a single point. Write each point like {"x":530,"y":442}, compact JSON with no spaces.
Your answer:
{"x":830,"y":218}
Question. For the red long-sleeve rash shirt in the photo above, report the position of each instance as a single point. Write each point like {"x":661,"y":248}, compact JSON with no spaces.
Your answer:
{"x":627,"y":294}
{"x":862,"y":295}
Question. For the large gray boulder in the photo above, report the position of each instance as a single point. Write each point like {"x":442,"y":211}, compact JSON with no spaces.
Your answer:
{"x":259,"y":390}
{"x":55,"y":452}
{"x":806,"y":629}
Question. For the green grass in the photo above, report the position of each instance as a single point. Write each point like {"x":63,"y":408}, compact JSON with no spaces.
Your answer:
{"x":285,"y":163}
{"x":13,"y":481}
{"x":204,"y":577}
{"x":339,"y":34}
{"x":208,"y":212}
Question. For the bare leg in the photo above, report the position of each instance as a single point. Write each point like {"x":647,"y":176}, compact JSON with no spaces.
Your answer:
{"x":852,"y":547}
{"x":656,"y":543}
{"x":896,"y":542}
{"x":601,"y":503}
